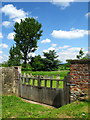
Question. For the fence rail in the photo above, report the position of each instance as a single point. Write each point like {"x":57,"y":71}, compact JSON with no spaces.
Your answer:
{"x":42,"y":81}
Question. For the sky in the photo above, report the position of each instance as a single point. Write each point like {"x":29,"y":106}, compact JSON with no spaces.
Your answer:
{"x":64,"y":25}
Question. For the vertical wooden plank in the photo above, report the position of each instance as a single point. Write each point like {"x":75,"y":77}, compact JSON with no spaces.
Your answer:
{"x":29,"y":79}
{"x":64,"y":89}
{"x":23,"y":79}
{"x":51,"y":83}
{"x":57,"y":84}
{"x":39,"y":81}
{"x":26,"y":78}
{"x":67,"y":89}
{"x":19,"y":85}
{"x":45,"y":83}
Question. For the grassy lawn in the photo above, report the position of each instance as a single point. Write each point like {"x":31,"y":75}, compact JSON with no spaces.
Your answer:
{"x":14,"y":107}
{"x":61,"y":73}
{"x":54,"y":74}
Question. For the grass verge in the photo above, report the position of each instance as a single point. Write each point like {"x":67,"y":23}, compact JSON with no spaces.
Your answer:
{"x":14,"y":107}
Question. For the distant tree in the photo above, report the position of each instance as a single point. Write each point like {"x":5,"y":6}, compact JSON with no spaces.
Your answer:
{"x":81,"y":53}
{"x":27,"y":33}
{"x":4,"y":64}
{"x":50,"y":61}
{"x":37,"y":63}
{"x":15,"y":56}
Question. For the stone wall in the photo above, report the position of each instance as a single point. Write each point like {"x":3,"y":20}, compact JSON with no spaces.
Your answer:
{"x":10,"y":80}
{"x":80,"y":76}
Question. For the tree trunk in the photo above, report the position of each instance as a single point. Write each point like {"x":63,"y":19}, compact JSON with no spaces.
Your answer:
{"x":25,"y":60}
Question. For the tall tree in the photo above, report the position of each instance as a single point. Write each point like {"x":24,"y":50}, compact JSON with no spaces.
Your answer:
{"x":37,"y":63}
{"x":50,"y":61}
{"x":27,"y":33}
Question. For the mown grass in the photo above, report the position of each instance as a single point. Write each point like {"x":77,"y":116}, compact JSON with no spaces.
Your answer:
{"x":14,"y":107}
{"x":61,"y":73}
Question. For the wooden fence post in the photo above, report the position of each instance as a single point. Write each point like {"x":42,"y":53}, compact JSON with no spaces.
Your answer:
{"x":51,"y":83}
{"x":39,"y":81}
{"x":45,"y":83}
{"x":67,"y":89}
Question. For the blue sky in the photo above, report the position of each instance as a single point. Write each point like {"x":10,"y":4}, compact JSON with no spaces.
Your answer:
{"x":64,"y":27}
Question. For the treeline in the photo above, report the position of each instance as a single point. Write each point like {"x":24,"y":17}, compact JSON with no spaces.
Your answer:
{"x":49,"y":62}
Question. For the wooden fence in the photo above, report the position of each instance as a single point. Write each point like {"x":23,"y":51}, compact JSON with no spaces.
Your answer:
{"x":45,"y":89}
{"x":42,"y":81}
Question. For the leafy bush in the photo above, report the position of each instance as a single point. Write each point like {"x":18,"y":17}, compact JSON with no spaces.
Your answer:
{"x":26,"y":67}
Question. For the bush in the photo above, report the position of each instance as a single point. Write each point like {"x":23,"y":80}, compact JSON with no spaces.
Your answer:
{"x":26,"y":67}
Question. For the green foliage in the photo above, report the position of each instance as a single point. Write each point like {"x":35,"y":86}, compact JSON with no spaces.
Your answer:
{"x":50,"y":61}
{"x":26,"y":67}
{"x":15,"y":107}
{"x":4,"y":64}
{"x":15,"y":56}
{"x":27,"y":33}
{"x":81,"y":53}
{"x":37,"y":63}
{"x":65,"y":66}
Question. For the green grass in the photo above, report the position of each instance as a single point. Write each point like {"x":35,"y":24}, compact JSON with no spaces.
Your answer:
{"x":14,"y":107}
{"x":62,"y":73}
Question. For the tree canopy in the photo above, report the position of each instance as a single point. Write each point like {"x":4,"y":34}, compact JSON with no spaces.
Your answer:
{"x":27,"y":33}
{"x":48,"y":63}
{"x":81,"y":53}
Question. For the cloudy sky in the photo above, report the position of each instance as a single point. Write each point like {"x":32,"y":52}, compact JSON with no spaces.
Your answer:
{"x":64,"y":26}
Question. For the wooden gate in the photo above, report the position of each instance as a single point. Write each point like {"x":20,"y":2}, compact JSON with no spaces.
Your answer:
{"x":51,"y":91}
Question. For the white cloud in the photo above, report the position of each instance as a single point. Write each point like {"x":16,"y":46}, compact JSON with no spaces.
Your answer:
{"x":3,"y":58}
{"x":51,"y":48}
{"x":1,"y":52}
{"x":32,"y":54}
{"x":11,"y":35}
{"x":1,"y":36}
{"x":66,"y":52}
{"x":62,"y":3}
{"x":64,"y":55}
{"x":14,"y":13}
{"x":74,"y":49}
{"x":72,"y":34}
{"x":46,"y":41}
{"x":4,"y":45}
{"x":64,"y":47}
{"x":87,"y":14}
{"x":6,"y":23}
{"x":54,"y":45}
{"x":69,"y":53}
